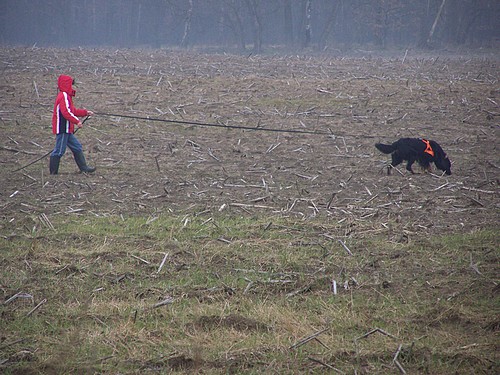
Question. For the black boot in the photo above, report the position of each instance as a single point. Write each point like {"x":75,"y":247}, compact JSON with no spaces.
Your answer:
{"x":82,"y":164}
{"x":54,"y":164}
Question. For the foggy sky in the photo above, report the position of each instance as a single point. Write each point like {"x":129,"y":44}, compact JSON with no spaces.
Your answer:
{"x":251,"y":25}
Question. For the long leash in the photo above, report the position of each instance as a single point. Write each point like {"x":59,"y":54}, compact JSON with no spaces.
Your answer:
{"x":195,"y":123}
{"x":47,"y":154}
{"x":206,"y":124}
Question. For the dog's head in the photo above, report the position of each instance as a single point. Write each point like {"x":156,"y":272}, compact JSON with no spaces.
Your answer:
{"x":440,"y":159}
{"x":444,"y":164}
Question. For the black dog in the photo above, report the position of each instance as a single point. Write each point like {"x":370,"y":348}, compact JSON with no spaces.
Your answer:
{"x":417,"y":150}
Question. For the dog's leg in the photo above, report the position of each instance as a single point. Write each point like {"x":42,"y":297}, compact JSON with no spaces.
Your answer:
{"x":426,"y":165}
{"x":409,"y":164}
{"x":396,"y":159}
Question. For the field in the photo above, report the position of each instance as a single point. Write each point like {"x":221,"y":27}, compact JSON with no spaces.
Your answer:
{"x":286,"y":248}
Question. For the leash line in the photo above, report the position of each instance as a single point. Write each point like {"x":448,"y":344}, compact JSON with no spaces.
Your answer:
{"x":195,"y":123}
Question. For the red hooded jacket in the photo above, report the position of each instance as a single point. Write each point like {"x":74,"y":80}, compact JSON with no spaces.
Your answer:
{"x":65,"y":114}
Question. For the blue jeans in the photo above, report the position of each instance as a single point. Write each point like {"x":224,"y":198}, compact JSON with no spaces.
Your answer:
{"x":64,"y":140}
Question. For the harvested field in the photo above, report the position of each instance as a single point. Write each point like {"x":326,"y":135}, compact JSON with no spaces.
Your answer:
{"x":145,"y":166}
{"x":309,"y":171}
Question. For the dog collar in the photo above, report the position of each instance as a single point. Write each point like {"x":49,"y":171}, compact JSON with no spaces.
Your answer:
{"x":428,"y":148}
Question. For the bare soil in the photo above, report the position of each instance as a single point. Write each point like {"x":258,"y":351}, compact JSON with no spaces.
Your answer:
{"x":146,"y":167}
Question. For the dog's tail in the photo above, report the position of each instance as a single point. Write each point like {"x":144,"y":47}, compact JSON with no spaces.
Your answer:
{"x":386,"y":149}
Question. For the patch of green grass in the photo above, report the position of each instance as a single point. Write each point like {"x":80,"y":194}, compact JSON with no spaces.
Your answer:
{"x":241,"y":292}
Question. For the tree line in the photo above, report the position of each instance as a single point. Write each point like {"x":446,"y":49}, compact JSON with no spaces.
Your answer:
{"x":251,"y":25}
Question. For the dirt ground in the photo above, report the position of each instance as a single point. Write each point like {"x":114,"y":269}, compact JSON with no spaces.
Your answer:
{"x":150,"y":167}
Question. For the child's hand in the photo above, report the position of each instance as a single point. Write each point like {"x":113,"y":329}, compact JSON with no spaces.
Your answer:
{"x":79,"y":125}
{"x":90,"y":113}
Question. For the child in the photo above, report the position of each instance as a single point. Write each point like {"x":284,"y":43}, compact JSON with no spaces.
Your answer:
{"x":64,"y":119}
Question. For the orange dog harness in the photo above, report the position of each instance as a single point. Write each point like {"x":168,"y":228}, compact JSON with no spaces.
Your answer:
{"x":428,"y":149}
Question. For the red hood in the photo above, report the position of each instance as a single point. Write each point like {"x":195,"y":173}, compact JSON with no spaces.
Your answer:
{"x":65,"y":84}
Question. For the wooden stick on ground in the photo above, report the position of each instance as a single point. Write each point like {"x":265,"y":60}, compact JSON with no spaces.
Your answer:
{"x":138,"y":258}
{"x":326,"y":365}
{"x":37,"y":307}
{"x":18,"y":295}
{"x":162,"y":263}
{"x":401,"y":369}
{"x":308,"y":338}
{"x":166,"y":301}
{"x":374,"y":331}
{"x":395,"y":360}
{"x":346,"y":248}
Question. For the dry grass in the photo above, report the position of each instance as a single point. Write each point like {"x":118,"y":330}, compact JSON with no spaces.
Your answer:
{"x":241,"y":306}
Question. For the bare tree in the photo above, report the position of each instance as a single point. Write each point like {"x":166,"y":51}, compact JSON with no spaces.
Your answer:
{"x":235,"y":20}
{"x":307,"y":29}
{"x":329,"y":24}
{"x":288,"y":21}
{"x":433,"y":28}
{"x":253,"y":7}
{"x":187,"y":25}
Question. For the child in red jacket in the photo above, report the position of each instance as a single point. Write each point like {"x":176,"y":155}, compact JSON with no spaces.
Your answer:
{"x":64,"y":119}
